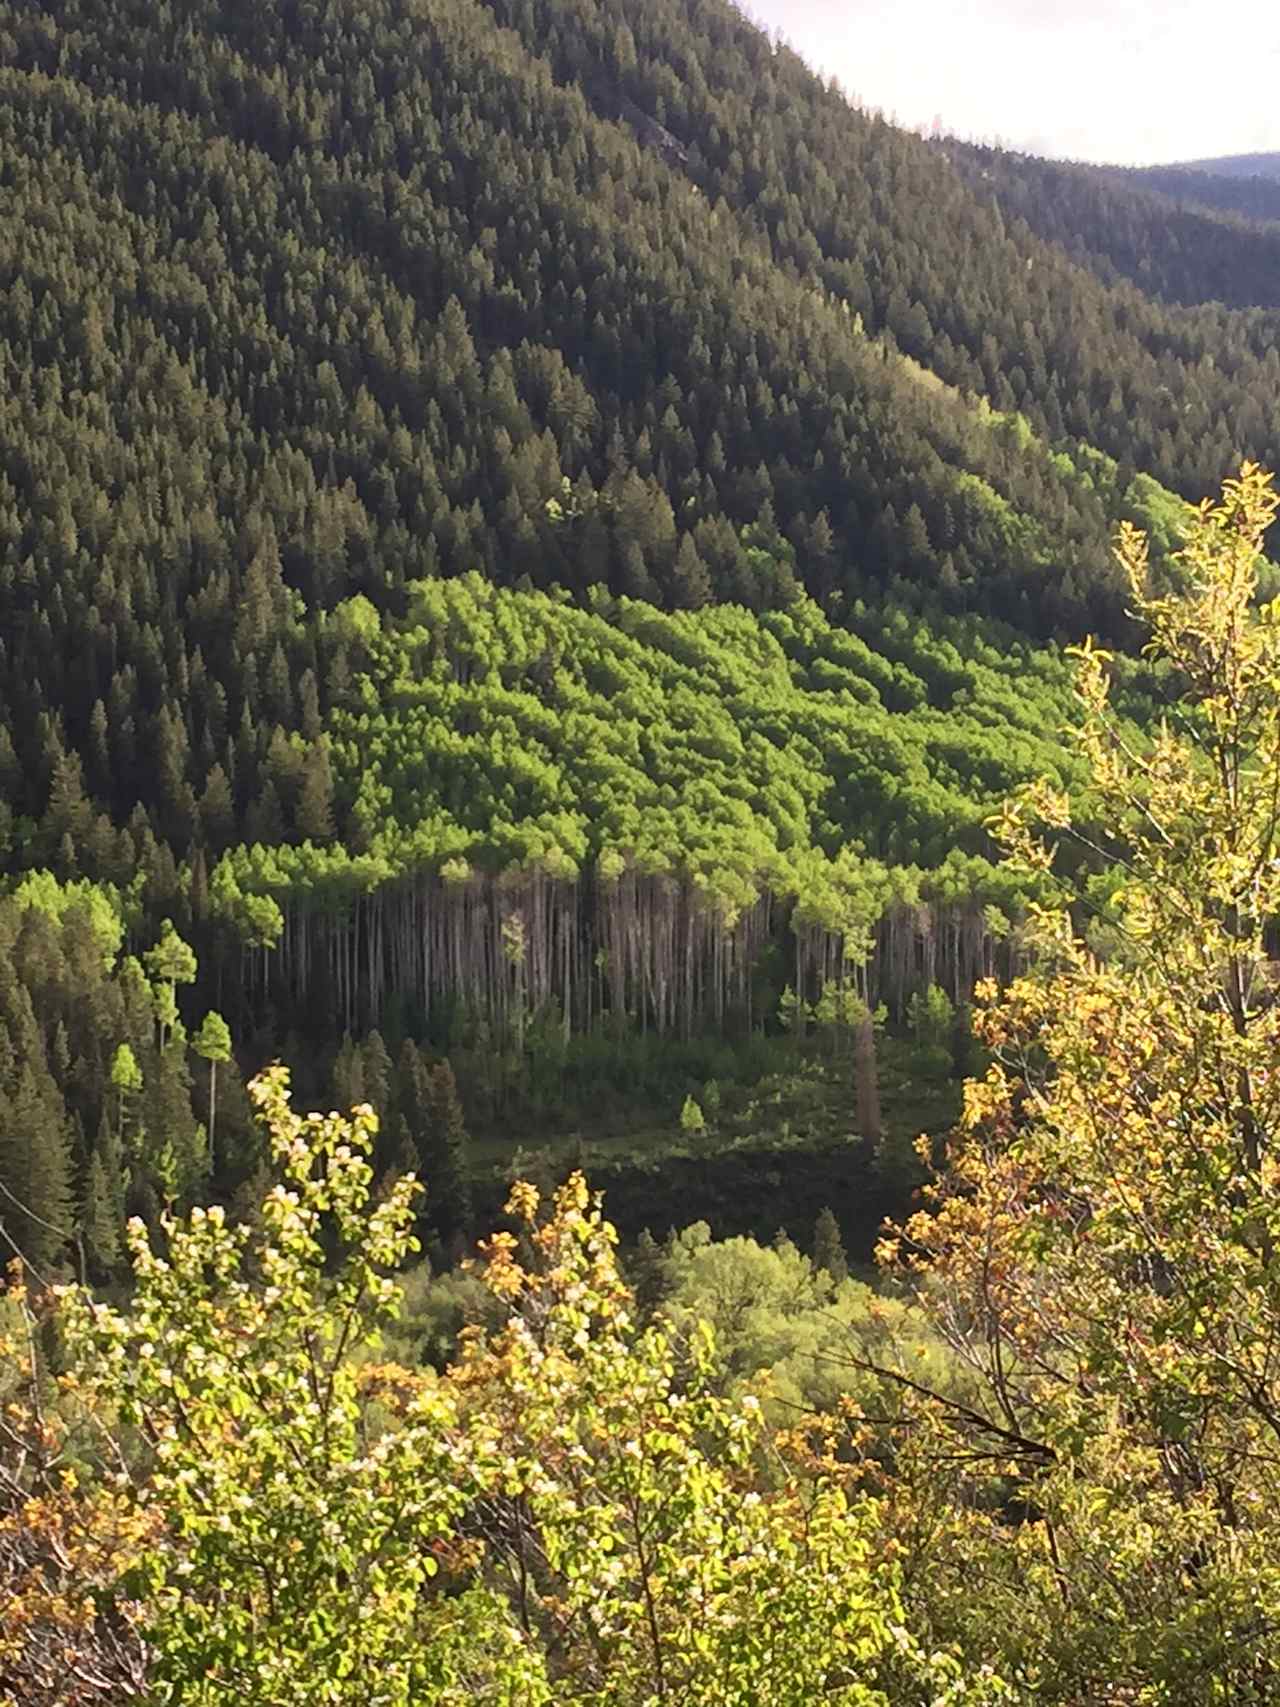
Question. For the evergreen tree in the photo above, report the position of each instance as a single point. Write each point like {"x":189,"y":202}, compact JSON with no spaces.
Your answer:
{"x":377,"y":1074}
{"x":647,"y":1273}
{"x":866,"y":1082}
{"x":402,"y":1156}
{"x":445,"y":1155}
{"x":35,"y":1168}
{"x":690,"y":582}
{"x":177,"y":1147}
{"x":315,"y":800}
{"x":828,"y":1247}
{"x":100,"y":1218}
{"x":347,"y":1076}
{"x":217,"y":810}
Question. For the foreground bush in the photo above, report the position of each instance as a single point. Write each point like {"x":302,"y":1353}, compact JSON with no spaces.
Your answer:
{"x":1102,"y":1245}
{"x":557,"y":1519}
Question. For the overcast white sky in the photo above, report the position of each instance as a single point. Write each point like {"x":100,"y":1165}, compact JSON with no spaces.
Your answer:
{"x":1135,"y":81}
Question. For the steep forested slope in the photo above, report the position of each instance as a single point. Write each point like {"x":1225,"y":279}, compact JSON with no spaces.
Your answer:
{"x":1211,"y":184}
{"x":617,"y":810}
{"x":299,"y":302}
{"x":276,"y":335}
{"x":1131,"y":225}
{"x":1233,"y":166}
{"x":878,"y":216}
{"x":391,"y":396}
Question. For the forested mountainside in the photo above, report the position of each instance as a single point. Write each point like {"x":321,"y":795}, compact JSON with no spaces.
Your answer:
{"x":1254,"y":197}
{"x":653,"y":792}
{"x":393,"y":397}
{"x":257,"y":363}
{"x":1232,"y":166}
{"x":1152,"y":228}
{"x":279,"y":1460}
{"x":546,"y":573}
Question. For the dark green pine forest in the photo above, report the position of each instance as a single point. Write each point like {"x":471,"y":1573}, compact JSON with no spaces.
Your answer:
{"x":1234,"y":166}
{"x":1247,"y":184}
{"x":1255,"y":199}
{"x":1182,"y":235}
{"x":533,"y":537}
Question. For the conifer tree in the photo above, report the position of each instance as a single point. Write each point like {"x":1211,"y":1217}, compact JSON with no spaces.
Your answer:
{"x":647,"y":1273}
{"x":346,"y":1077}
{"x":177,"y":1151}
{"x":217,"y":810}
{"x":100,"y":1220}
{"x":35,"y":1168}
{"x":264,"y":822}
{"x":828,"y":1247}
{"x":315,"y":799}
{"x":378,"y":1074}
{"x":401,"y":1156}
{"x":691,"y":583}
{"x":445,"y":1154}
{"x":866,"y":1083}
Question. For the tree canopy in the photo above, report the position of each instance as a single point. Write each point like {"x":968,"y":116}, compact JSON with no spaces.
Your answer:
{"x":1100,"y":1247}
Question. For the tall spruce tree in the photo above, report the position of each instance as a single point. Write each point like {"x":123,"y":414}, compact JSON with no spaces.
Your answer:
{"x":100,"y":1218}
{"x":36,"y":1198}
{"x":828,"y":1247}
{"x":445,"y":1155}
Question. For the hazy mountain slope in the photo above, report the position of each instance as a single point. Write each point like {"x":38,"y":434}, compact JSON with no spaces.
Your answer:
{"x":1250,"y":197}
{"x":1119,"y":228}
{"x":1236,"y":166}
